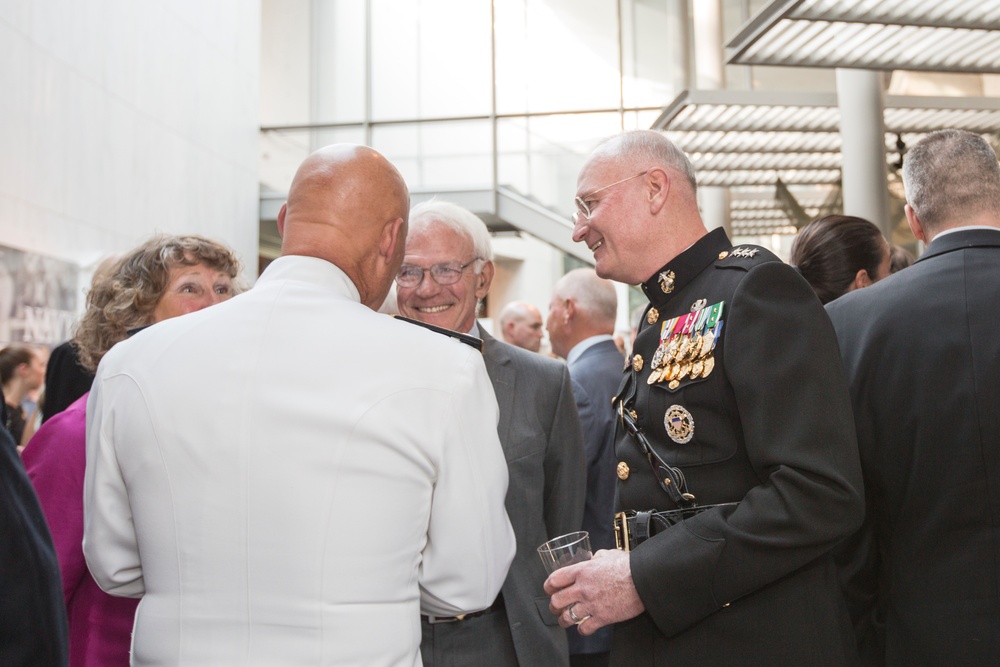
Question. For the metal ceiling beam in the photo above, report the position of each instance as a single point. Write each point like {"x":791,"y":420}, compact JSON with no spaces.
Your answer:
{"x":754,"y":137}
{"x":929,"y":35}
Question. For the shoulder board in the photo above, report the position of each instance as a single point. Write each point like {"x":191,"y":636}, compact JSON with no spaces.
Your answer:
{"x":465,"y":338}
{"x":744,"y":256}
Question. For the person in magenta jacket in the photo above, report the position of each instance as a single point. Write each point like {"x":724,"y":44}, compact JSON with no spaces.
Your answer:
{"x":163,"y":278}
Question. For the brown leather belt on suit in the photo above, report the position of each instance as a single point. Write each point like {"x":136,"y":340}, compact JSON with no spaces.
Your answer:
{"x":633,"y":528}
{"x":497,"y":604}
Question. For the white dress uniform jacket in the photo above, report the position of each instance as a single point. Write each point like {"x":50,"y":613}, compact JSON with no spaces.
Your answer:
{"x":290,"y":478}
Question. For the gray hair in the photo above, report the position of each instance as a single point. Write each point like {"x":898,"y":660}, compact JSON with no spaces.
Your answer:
{"x":459,"y":219}
{"x":951,"y":175}
{"x":594,"y":296}
{"x":646,"y":149}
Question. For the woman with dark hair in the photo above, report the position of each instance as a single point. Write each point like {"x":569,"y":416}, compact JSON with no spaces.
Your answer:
{"x":840,"y":253}
{"x":165,"y":277}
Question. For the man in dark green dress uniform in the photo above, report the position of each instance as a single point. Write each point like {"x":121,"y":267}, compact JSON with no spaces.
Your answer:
{"x":734,"y":407}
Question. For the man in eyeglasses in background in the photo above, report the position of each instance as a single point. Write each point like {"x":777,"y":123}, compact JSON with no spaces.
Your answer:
{"x":446,"y":272}
{"x":734,"y":407}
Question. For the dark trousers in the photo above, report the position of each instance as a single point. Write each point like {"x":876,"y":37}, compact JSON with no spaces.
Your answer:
{"x":472,"y":642}
{"x":590,"y":660}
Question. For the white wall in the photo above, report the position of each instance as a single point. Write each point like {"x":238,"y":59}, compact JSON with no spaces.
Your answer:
{"x":121,"y":118}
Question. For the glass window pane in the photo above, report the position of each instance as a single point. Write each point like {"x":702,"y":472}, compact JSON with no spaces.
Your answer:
{"x":541,"y":157}
{"x":285,"y":62}
{"x":557,"y":55}
{"x":439,"y":155}
{"x":339,"y":61}
{"x":654,"y":51}
{"x":430,"y":58}
{"x":281,"y":152}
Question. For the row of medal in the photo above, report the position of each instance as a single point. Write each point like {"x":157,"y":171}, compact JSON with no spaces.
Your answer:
{"x":686,"y":345}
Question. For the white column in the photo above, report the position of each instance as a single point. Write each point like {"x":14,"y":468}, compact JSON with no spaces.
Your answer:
{"x":710,"y":74}
{"x":861,"y":97}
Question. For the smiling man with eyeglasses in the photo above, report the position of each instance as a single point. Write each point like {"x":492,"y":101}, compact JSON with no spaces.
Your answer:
{"x":737,"y":465}
{"x":447,"y":271}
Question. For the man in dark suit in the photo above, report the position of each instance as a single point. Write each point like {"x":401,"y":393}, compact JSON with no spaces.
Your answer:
{"x":735,"y":410}
{"x":581,"y":322}
{"x":446,"y":272}
{"x":922,"y":351}
{"x":33,"y":629}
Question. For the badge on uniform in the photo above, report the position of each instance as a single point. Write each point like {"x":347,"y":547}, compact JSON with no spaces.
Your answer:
{"x":686,"y":345}
{"x":679,"y":424}
{"x":667,"y":281}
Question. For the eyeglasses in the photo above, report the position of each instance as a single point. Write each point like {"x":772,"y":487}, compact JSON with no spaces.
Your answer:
{"x":583,"y":208}
{"x":445,"y":273}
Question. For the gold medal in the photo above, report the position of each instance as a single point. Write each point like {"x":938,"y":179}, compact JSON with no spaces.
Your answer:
{"x":695,"y":347}
{"x":679,"y":424}
{"x":697,"y":367}
{"x":682,"y":347}
{"x":709,"y":365}
{"x":654,"y":376}
{"x":685,"y":369}
{"x":674,"y":384}
{"x":652,"y":315}
{"x":671,"y":371}
{"x":671,"y":352}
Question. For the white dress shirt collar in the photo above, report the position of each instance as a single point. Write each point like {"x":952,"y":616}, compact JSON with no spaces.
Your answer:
{"x":585,"y":345}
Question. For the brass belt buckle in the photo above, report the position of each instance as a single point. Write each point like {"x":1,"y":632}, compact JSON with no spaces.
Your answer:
{"x":621,"y":532}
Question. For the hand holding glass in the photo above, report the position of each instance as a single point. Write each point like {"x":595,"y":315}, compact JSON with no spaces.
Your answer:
{"x":565,"y":550}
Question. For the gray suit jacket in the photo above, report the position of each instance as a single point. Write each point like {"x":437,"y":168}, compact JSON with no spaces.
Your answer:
{"x":540,"y":434}
{"x":596,"y":375}
{"x":541,"y":439}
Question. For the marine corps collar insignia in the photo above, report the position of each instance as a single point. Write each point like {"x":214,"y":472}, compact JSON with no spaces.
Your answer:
{"x":699,"y":304}
{"x":679,"y":424}
{"x":666,"y":279}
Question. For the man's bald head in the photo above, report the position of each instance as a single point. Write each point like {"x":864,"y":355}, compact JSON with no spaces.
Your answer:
{"x":521,"y":325}
{"x":583,"y":305}
{"x":349,"y":205}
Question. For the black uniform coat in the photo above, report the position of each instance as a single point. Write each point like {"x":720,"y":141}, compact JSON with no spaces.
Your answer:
{"x":33,"y":631}
{"x":922,"y":352}
{"x":772,"y":429}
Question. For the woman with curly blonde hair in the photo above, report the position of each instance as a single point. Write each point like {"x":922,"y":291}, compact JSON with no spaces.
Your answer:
{"x":165,"y":277}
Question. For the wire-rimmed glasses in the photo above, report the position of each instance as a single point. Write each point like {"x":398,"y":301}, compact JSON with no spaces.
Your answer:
{"x":445,"y":273}
{"x":583,"y":208}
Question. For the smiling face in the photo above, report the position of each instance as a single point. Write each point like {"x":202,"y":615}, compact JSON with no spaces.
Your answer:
{"x":613,"y":231}
{"x":449,"y":306}
{"x":191,"y":288}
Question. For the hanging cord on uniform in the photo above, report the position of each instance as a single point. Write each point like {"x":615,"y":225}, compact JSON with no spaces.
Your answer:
{"x":670,"y":478}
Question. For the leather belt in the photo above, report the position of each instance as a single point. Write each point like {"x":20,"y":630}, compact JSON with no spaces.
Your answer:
{"x":633,"y":528}
{"x":497,"y":604}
